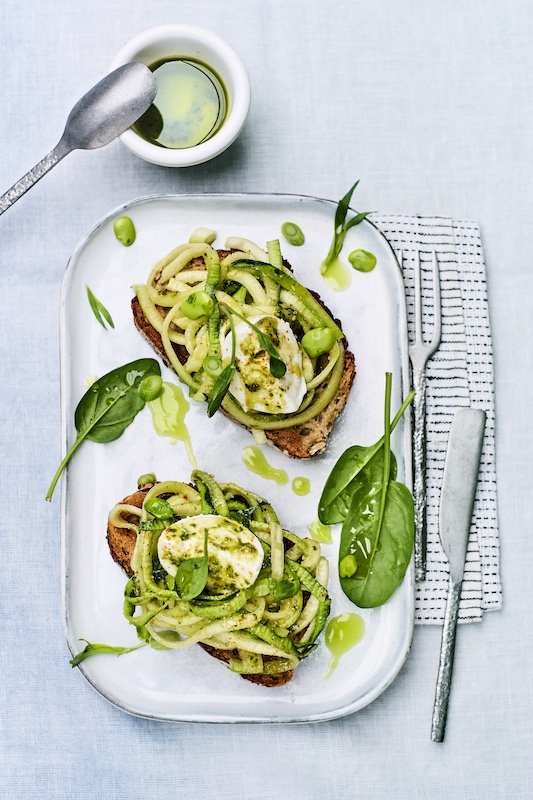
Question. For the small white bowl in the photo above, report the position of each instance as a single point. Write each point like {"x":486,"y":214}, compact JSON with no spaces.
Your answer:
{"x":188,"y":41}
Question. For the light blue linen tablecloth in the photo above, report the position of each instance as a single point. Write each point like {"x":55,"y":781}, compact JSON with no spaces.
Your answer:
{"x":430,"y":105}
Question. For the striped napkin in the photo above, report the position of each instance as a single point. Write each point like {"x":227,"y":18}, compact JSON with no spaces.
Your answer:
{"x":459,"y":374}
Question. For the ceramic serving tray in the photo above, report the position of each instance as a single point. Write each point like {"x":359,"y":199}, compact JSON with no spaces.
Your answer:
{"x":189,"y":685}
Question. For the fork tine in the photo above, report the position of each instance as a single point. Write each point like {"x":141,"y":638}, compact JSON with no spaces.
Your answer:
{"x":418,"y":299}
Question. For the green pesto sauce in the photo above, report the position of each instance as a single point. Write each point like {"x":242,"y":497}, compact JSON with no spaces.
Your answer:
{"x":337,"y":275}
{"x":342,"y":633}
{"x":254,"y":460}
{"x":320,"y":532}
{"x":189,"y":107}
{"x":168,"y":416}
{"x":301,"y":486}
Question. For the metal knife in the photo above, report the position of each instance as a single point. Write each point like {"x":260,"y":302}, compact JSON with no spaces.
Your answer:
{"x":455,"y":515}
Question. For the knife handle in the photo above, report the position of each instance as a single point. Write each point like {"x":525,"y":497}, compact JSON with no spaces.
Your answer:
{"x":447,"y":650}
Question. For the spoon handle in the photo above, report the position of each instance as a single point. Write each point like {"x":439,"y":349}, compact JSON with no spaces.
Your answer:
{"x":34,"y":175}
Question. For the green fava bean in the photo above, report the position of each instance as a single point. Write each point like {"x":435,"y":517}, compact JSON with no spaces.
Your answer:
{"x":124,"y":231}
{"x":318,"y":341}
{"x":151,"y":387}
{"x":293,"y":233}
{"x":199,"y":304}
{"x":158,"y":508}
{"x":362,"y":260}
{"x":146,"y":479}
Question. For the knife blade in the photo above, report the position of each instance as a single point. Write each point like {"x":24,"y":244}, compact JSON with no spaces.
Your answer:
{"x":459,"y":484}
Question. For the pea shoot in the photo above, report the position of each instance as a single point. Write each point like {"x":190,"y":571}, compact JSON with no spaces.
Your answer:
{"x":99,"y":310}
{"x":341,"y":228}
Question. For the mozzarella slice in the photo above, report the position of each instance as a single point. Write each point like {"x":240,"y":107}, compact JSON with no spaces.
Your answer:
{"x":235,"y":554}
{"x":253,"y":385}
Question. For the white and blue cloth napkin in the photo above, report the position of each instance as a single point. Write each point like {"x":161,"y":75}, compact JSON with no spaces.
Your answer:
{"x":459,"y":374}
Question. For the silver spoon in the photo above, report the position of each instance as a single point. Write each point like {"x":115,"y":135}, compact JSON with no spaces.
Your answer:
{"x":106,"y":111}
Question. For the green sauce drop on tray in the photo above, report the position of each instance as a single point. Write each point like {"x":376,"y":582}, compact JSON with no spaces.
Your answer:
{"x":189,"y":107}
{"x":337,"y":275}
{"x":301,"y":486}
{"x":320,"y":532}
{"x":342,"y":633}
{"x":168,"y":416}
{"x":254,"y":460}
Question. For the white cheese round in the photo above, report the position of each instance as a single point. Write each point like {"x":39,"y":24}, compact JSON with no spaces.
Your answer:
{"x":235,"y":554}
{"x":253,"y":385}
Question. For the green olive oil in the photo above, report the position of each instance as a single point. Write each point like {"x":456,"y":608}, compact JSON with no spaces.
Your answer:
{"x":342,"y":633}
{"x":189,"y":107}
{"x":254,"y":460}
{"x":337,"y":275}
{"x":168,"y":416}
{"x":301,"y":486}
{"x":320,"y":532}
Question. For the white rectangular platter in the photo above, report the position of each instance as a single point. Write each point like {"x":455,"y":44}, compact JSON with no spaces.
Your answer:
{"x":189,"y":685}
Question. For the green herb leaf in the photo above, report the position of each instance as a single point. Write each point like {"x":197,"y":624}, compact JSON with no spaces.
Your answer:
{"x":191,"y":575}
{"x":108,"y":407}
{"x":277,"y":367}
{"x":92,"y":649}
{"x":220,"y":389}
{"x":99,"y":310}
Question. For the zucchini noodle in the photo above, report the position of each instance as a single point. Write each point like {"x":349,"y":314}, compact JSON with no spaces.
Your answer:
{"x":248,"y":281}
{"x":267,"y":627}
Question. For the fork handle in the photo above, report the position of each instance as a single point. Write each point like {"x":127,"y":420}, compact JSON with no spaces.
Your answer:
{"x":419,"y":487}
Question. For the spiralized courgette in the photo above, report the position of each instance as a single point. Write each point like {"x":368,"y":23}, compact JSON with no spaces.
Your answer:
{"x":268,"y":627}
{"x":248,"y":281}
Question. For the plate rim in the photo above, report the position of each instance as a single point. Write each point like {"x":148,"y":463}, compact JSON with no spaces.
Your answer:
{"x":396,"y":666}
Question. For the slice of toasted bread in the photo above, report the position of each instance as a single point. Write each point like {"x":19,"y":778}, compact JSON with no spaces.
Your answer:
{"x":302,"y":441}
{"x":121,"y":543}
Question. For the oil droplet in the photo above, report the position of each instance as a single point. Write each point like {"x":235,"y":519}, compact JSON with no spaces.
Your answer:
{"x":337,"y":275}
{"x":168,"y":415}
{"x":320,"y":532}
{"x":342,"y":633}
{"x":301,"y":486}
{"x":254,"y":459}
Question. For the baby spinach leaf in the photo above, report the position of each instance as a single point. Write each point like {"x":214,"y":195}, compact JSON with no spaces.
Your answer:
{"x":339,"y":487}
{"x":108,"y":407}
{"x":382,"y":551}
{"x":378,"y":530}
{"x":191,"y":575}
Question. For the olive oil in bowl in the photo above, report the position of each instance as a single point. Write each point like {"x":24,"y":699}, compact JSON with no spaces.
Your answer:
{"x":189,"y":108}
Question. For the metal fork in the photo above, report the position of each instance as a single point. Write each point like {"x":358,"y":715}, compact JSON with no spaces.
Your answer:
{"x":419,"y":354}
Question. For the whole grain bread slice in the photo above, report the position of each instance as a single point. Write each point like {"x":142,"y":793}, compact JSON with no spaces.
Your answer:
{"x":121,"y":542}
{"x":302,"y":441}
